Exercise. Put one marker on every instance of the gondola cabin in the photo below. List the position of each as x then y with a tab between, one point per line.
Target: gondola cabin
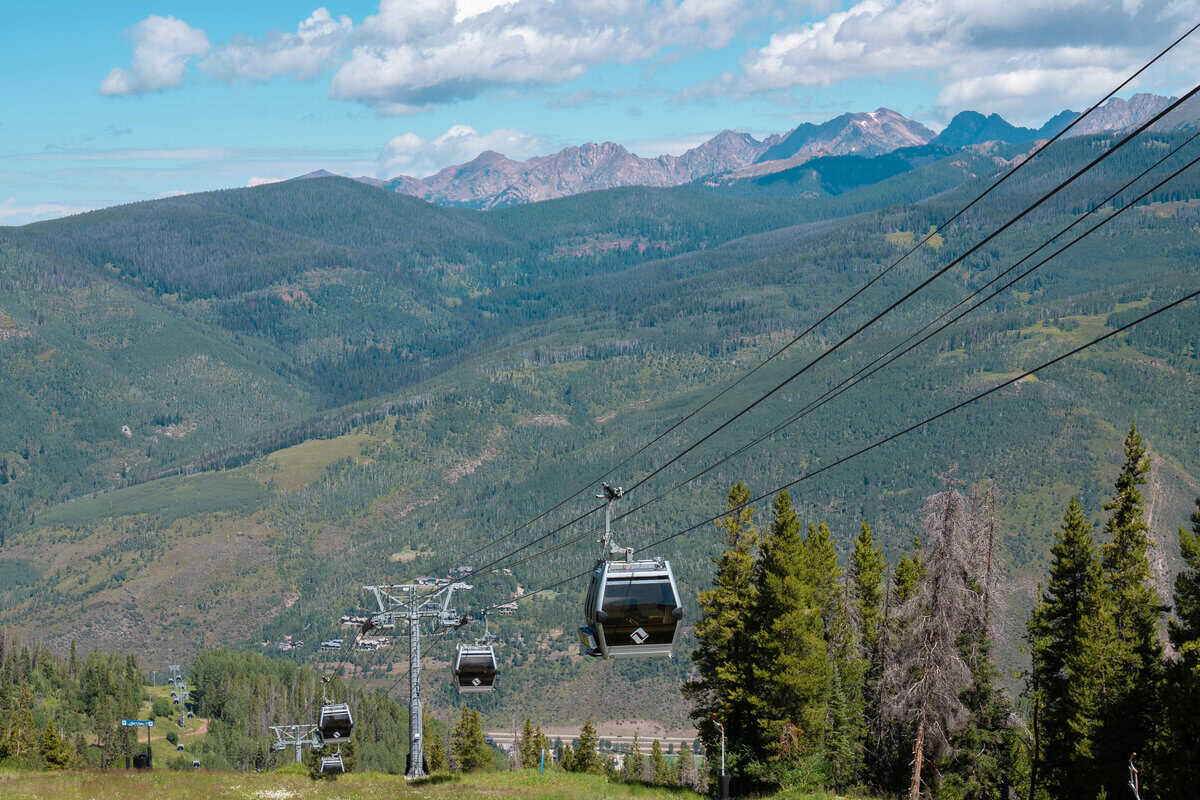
475	669
632	609
332	765
335	722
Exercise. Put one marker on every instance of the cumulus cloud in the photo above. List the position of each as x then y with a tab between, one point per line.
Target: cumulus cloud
301	54
416	53
998	56
257	181
410	154
162	47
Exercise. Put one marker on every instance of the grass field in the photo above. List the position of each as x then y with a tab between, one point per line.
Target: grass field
288	785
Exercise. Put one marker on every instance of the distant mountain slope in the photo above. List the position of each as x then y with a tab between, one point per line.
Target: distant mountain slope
868	134
491	179
971	127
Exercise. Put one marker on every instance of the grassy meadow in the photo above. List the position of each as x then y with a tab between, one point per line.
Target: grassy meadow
289	784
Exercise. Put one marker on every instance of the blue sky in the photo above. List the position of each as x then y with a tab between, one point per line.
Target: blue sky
125	101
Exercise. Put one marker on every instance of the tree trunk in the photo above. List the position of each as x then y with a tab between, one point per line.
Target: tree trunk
914	789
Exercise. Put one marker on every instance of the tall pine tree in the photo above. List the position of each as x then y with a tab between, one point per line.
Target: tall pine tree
1131	717
724	655
792	670
867	567
1066	622
1178	753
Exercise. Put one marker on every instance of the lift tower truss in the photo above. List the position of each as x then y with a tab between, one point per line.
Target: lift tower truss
180	692
414	602
297	736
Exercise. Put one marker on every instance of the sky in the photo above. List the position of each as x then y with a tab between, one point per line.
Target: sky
122	101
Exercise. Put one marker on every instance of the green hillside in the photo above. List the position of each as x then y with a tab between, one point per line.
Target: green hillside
392	385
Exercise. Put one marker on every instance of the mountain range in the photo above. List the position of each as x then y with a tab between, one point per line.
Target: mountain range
493	180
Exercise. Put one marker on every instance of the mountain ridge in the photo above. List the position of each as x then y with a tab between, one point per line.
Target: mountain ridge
493	180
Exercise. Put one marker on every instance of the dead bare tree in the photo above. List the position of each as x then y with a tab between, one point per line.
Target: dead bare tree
929	672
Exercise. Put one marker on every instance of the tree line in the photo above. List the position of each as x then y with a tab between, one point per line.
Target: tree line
879	678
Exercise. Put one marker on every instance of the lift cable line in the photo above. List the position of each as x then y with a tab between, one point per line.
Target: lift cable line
830	350
871	368
923	284
933	418
933	232
880	442
892	355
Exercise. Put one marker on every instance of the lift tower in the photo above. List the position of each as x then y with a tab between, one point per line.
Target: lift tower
298	736
180	692
414	602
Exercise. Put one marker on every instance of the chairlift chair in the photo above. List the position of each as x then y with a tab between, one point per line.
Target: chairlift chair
632	606
475	668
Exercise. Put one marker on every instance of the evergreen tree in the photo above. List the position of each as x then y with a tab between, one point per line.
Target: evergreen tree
22	731
791	671
631	770
687	769
1131	720
471	751
566	757
867	566
866	582
434	749
55	752
527	744
1177	756
1184	628
1068	621
659	762
725	655
585	757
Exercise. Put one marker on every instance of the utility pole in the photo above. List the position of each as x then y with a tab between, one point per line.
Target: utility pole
181	692
414	602
298	736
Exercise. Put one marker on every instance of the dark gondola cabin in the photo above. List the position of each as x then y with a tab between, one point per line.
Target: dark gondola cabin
332	765
475	669
632	609
335	722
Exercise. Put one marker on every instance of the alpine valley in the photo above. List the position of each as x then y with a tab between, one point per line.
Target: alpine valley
224	413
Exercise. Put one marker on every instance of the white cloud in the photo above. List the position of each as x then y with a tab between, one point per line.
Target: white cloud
257	181
1023	56
161	49
410	154
417	53
13	214
302	53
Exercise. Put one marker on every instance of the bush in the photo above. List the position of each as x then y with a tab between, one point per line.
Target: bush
161	707
172	737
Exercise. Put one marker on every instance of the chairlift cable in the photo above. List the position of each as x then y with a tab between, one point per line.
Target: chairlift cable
928	420
934	231
892	355
925	283
880	442
922	285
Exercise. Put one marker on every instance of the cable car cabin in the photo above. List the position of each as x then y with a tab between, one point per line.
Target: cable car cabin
332	765
632	609
335	722
475	669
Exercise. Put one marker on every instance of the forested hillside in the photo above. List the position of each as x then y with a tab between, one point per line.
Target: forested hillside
345	386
